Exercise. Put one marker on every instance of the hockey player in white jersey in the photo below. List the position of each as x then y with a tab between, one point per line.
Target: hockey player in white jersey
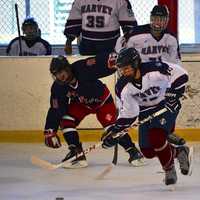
98	23
154	43
31	42
142	92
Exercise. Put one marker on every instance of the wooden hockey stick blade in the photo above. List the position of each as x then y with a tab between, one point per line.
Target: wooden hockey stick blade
42	163
49	166
110	166
105	172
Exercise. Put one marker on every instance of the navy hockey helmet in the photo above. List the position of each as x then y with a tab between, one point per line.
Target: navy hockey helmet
159	17
30	28
128	56
58	64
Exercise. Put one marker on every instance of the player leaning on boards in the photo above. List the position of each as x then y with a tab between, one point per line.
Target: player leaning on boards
142	92
154	43
97	23
76	93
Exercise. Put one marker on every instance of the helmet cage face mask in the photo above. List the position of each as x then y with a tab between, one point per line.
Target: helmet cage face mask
159	18
159	23
30	28
128	59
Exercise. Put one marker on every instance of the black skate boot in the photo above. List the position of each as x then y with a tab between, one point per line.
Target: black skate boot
136	158
185	156
170	176
78	162
175	139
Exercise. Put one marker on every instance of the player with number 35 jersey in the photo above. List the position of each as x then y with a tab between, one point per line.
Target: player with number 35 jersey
98	22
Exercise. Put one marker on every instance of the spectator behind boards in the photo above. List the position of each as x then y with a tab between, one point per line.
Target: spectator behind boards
97	24
31	42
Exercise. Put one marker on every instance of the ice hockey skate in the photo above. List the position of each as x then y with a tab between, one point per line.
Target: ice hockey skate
136	158
79	161
185	159
175	139
170	176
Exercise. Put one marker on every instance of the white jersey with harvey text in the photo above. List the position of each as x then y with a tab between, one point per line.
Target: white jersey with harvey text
133	99
151	49
36	48
99	20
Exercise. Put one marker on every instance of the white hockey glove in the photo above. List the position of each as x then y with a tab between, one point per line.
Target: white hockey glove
112	60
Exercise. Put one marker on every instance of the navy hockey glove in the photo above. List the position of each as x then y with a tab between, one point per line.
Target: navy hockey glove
108	140
173	105
51	139
111	137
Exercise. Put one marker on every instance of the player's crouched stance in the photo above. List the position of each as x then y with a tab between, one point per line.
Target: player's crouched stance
142	92
75	93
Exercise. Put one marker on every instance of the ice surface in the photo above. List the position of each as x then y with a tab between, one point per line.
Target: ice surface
20	180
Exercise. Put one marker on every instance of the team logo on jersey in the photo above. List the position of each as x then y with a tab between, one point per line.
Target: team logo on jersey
163	121
108	117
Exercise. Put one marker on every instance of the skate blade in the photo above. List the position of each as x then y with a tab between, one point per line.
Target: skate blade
76	165
139	162
171	187
191	155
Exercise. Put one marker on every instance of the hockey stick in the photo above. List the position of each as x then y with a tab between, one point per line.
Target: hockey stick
114	162
47	165
110	166
18	29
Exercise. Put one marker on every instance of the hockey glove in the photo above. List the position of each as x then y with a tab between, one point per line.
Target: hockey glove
112	59
173	104
51	139
108	140
111	137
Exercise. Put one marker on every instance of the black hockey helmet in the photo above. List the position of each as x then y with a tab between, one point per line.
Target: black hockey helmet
58	64
159	17
128	56
34	31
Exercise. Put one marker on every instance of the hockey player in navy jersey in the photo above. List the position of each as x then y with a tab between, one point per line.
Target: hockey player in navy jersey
31	42
154	43
76	93
142	92
97	24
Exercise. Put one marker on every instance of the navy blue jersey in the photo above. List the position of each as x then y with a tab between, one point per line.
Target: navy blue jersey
88	89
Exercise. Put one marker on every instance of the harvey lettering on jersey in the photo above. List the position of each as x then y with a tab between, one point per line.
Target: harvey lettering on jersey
96	8
164	48
159	49
91	18
150	94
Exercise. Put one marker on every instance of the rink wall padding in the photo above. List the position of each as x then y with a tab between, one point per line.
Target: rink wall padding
92	135
25	88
